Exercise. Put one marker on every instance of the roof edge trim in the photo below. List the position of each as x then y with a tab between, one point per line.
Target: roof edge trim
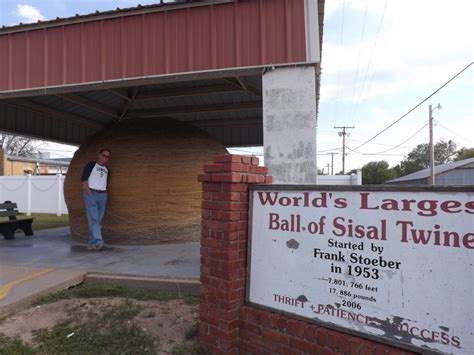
146	80
125	12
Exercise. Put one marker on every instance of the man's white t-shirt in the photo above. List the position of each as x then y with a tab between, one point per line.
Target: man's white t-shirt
98	178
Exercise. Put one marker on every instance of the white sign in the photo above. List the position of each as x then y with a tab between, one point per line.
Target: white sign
394	264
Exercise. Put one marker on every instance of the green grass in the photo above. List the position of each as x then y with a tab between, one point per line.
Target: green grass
91	291
105	336
108	330
47	220
9	346
190	344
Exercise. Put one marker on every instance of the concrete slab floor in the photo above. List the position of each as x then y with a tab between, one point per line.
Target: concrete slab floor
19	285
55	249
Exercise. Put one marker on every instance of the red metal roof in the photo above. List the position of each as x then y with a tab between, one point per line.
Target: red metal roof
152	41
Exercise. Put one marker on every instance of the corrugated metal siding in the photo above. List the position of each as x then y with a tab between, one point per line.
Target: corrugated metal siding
463	176
240	34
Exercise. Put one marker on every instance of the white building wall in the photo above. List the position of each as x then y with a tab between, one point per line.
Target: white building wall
289	124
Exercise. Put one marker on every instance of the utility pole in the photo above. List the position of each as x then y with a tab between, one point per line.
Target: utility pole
432	161
343	134
332	162
328	168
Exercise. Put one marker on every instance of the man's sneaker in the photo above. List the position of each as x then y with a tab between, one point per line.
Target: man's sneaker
98	246
90	247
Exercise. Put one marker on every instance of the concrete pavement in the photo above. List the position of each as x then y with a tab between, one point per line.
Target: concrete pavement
49	260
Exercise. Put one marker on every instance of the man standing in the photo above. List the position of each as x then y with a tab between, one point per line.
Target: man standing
94	185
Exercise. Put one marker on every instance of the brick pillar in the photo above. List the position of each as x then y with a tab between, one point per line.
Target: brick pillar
225	207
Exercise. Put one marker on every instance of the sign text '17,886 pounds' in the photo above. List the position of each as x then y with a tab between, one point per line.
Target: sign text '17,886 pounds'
394	264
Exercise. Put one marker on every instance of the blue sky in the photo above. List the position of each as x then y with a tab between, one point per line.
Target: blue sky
380	58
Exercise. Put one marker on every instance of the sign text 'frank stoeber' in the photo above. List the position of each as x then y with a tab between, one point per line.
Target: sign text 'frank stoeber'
368	261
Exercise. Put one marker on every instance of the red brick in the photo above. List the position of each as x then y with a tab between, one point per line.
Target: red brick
344	343
210	243
282	325
229	315
286	350
209	281
230	325
367	347
250	347
258	170
268	180
251	337
211	186
234	206
204	178
229	347
205	233
254	161
226	177
213	225
225	255
291	326
227	158
355	346
303	345
210	205
235	187
310	334
253	328
251	179
321	336
234	226
225	196
301	329
209	320
380	350
246	160
332	340
226	167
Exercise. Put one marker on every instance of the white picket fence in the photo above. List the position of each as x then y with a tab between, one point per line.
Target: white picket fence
354	179
44	194
34	194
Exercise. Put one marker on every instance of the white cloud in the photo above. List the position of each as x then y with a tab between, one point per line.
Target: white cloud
420	43
29	13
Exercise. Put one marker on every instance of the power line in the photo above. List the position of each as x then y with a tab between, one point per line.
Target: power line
419	104
383	144
397	146
339	64
456	134
370	60
360	50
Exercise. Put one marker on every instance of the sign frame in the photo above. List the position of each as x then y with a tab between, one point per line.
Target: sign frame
338	188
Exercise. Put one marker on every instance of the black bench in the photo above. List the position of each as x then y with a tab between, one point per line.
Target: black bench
8	228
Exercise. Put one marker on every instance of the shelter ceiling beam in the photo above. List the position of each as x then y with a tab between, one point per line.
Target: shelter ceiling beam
90	104
240	83
242	122
175	111
33	106
132	94
191	91
123	94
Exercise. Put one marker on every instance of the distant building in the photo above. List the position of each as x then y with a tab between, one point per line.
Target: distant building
455	173
18	166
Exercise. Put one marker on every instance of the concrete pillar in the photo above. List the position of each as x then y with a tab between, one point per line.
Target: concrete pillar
289	124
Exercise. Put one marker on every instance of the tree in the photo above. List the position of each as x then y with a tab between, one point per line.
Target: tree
376	172
17	145
419	158
464	153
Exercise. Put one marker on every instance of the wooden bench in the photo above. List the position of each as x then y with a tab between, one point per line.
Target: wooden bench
8	228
